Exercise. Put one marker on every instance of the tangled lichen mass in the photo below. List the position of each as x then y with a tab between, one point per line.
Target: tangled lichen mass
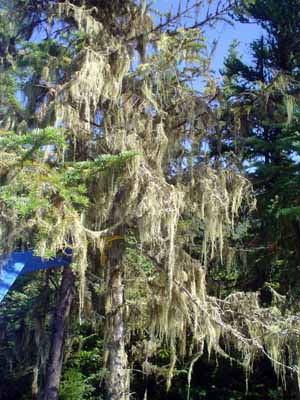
115	155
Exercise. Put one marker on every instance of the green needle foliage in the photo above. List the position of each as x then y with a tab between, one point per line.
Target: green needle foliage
112	152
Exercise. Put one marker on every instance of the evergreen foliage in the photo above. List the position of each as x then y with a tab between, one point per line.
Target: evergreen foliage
107	148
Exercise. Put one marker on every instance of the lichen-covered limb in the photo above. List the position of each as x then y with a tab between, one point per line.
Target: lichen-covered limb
94	235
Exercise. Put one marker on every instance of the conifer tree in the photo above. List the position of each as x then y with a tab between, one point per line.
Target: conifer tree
262	100
111	164
261	105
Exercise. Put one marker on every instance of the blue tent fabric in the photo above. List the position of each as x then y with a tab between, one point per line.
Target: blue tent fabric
22	262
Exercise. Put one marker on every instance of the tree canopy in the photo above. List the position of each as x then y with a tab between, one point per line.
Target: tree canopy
177	195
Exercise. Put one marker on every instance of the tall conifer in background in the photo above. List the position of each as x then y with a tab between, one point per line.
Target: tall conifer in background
263	104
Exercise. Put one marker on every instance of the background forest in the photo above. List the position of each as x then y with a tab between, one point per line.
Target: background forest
176	187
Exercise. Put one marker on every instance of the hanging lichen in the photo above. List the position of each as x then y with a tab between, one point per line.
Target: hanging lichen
133	135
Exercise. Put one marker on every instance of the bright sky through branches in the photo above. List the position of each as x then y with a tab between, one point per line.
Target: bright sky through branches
224	33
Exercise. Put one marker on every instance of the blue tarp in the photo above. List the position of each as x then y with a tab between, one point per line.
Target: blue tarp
22	262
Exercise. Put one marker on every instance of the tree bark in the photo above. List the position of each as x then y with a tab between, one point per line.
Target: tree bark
54	368
292	390
117	378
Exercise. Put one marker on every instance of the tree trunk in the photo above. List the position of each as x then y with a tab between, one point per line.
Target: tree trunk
54	367
117	379
292	390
